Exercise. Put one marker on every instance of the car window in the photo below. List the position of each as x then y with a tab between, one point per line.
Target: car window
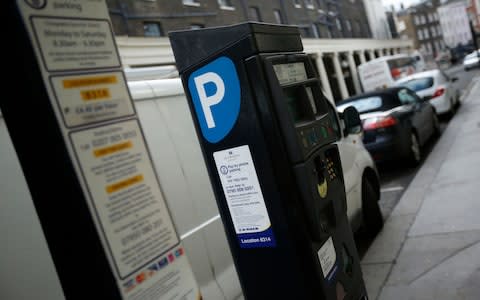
334	119
406	97
419	84
364	104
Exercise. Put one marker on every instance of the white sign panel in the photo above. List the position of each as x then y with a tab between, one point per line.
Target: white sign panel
244	197
86	99
125	194
82	73
70	44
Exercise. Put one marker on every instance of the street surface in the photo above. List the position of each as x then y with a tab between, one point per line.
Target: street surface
395	177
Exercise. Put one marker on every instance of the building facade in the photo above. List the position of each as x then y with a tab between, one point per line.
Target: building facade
421	23
315	18
455	24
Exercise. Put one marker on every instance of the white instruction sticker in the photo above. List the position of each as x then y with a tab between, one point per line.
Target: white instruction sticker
69	44
125	194
244	197
327	257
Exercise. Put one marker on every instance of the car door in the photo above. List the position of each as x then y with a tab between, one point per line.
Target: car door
421	117
349	152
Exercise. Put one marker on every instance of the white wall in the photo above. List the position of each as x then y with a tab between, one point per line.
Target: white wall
377	19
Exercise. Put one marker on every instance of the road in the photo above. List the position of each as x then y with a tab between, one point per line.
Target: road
395	177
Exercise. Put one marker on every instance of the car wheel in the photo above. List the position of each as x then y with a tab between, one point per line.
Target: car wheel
372	215
415	149
436	125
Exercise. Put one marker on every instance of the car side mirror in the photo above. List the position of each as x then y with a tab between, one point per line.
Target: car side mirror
351	118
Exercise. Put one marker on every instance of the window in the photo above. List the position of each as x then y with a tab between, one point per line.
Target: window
278	16
419	84
254	14
406	97
334	120
316	34
197	26
297	3
309	4
226	4
416	20
420	34
152	29
191	2
339	24
425	33
362	105
422	18
349	25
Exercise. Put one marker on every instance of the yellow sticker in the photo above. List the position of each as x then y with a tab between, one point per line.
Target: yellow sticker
89	81
322	188
112	149
95	94
124	184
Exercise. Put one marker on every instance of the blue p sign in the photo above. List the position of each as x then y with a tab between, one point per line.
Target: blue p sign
215	91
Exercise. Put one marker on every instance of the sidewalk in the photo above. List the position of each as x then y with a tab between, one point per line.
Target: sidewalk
430	245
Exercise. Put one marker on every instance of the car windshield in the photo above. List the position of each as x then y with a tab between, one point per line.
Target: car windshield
418	84
363	104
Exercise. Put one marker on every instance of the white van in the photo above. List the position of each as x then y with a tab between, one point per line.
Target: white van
167	124
382	72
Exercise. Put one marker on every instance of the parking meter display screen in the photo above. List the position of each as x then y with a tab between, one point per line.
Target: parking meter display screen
290	73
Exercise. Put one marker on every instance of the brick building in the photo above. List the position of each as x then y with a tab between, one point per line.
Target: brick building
315	18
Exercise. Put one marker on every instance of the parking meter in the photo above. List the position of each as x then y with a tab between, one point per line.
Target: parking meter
268	142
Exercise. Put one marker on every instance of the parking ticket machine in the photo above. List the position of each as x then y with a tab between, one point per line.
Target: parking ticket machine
268	142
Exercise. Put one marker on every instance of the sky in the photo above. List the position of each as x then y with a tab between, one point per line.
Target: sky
396	3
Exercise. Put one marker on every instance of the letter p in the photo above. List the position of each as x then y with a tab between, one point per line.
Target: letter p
208	101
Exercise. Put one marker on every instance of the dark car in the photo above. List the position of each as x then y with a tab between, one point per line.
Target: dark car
396	123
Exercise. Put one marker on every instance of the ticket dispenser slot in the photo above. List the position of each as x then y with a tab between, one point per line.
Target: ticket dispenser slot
266	127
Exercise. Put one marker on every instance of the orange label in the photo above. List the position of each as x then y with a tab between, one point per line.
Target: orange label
124	183
88	81
95	94
112	149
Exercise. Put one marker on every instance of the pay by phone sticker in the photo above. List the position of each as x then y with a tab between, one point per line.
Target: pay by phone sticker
215	92
328	257
244	197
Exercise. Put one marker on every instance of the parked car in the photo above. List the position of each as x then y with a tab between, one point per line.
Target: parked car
471	60
435	86
362	185
396	123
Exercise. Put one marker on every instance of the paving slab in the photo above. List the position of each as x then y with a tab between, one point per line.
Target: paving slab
456	278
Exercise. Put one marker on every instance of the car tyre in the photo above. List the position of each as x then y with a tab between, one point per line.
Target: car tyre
372	215
415	153
436	125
